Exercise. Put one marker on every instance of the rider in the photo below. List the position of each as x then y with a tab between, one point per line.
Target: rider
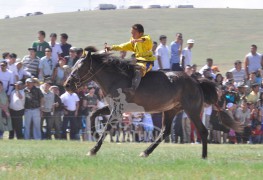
141	45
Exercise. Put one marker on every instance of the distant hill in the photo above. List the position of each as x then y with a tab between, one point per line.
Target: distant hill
222	34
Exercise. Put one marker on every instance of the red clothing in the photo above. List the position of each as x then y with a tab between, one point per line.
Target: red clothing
257	132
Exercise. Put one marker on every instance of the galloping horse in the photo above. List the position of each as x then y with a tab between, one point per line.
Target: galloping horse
157	92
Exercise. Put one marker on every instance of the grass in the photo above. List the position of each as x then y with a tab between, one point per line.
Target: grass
67	160
223	34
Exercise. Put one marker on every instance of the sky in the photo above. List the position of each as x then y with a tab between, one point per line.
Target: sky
15	8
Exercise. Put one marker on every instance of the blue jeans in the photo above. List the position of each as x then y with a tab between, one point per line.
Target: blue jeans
32	115
74	130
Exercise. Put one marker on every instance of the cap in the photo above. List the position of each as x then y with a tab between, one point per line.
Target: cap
215	68
32	48
19	83
30	80
238	62
190	41
73	49
51	87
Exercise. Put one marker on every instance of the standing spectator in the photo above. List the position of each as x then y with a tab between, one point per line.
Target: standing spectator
5	56
148	127
5	120
56	48
209	64
17	110
65	46
186	127
33	102
31	62
176	130
47	110
239	73
72	58
162	53
11	65
46	65
137	126
41	44
243	116
155	63
6	77
188	70
57	110
252	61
176	50
22	73
70	101
59	75
187	53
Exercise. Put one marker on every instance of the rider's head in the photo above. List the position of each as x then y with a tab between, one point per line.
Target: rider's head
137	31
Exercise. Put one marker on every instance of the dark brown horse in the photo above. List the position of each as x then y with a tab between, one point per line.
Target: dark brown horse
157	93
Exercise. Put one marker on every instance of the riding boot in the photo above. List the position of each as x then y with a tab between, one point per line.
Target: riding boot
135	83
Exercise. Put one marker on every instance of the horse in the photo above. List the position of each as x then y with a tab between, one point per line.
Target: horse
157	92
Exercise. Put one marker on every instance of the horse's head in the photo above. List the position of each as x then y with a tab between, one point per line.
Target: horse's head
82	71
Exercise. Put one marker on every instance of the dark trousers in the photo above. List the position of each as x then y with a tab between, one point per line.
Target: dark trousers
176	67
74	130
17	122
177	130
48	117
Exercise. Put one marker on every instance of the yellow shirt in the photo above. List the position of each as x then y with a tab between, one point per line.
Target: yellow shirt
253	97
142	50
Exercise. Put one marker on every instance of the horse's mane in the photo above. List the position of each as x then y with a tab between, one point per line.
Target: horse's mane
110	62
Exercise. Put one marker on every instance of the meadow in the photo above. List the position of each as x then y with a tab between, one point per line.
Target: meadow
66	160
222	34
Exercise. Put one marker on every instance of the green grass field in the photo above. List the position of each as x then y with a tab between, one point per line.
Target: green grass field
67	160
223	34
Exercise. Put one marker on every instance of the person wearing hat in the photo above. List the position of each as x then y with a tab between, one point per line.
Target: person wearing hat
162	53
17	110
187	53
56	48
31	62
34	102
41	44
7	77
239	73
254	94
72	58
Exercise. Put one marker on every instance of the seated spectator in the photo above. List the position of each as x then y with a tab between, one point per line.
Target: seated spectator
219	79
252	79
209	64
254	95
257	135
239	73
214	70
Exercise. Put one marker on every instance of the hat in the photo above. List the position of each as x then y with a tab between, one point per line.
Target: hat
30	80
73	49
238	62
254	84
32	48
190	41
229	105
51	87
242	85
19	83
215	68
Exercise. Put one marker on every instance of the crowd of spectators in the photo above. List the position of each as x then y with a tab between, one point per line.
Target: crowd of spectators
35	105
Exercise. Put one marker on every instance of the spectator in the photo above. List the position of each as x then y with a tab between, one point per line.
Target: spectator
6	56
162	53
59	75
187	53
6	77
22	73
46	65
186	126
65	46
214	70
209	64
5	119
188	70
48	109
11	65
137	126
56	48
252	61
31	62
57	112
257	134
176	51
33	102
127	122
155	63
72	58
251	80
243	116
17	110
219	79
194	67
239	73
70	101
255	94
148	127
41	44
80	52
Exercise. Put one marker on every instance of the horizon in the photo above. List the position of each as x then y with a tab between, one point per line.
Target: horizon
15	8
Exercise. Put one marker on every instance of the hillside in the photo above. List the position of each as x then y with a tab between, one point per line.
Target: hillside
223	34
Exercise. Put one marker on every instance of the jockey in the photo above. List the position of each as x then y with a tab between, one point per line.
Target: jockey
141	45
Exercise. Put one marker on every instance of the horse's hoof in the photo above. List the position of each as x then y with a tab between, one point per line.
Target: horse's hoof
90	153
143	154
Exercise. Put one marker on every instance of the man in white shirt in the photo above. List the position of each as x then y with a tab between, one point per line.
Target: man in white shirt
162	53
17	109
239	73
7	77
56	48
187	53
11	65
252	61
71	106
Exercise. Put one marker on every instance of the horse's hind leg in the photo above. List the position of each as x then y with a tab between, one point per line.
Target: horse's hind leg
165	132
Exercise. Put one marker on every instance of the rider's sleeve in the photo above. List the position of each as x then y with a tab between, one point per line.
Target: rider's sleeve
123	47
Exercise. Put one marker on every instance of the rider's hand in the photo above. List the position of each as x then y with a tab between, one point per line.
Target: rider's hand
107	48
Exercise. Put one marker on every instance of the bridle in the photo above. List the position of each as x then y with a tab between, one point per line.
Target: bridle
90	74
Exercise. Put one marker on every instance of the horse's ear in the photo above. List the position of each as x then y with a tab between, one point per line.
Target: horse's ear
90	49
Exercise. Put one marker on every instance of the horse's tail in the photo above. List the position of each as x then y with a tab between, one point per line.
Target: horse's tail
229	122
209	91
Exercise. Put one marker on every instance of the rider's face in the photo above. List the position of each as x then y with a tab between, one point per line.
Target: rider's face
136	34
